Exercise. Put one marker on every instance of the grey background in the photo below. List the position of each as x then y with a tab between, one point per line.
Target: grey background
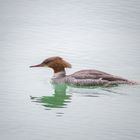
99	34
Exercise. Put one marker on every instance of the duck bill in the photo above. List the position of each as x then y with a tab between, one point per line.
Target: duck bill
39	65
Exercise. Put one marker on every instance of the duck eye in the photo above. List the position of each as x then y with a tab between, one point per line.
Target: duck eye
46	62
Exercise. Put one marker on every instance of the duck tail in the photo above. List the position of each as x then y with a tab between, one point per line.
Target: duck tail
134	82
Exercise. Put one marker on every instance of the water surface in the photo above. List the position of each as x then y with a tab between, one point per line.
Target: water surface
99	34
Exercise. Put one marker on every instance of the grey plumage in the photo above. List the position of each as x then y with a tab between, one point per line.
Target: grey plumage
92	78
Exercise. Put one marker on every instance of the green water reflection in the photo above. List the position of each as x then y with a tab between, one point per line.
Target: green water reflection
59	99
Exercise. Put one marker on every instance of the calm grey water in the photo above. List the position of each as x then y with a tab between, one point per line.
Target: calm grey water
99	34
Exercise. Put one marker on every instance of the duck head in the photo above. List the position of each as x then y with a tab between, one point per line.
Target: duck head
56	63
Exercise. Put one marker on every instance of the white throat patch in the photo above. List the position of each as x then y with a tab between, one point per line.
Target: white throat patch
59	74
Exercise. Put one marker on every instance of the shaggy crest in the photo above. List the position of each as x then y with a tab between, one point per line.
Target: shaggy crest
56	63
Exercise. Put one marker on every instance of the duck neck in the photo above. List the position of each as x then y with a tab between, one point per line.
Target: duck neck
59	74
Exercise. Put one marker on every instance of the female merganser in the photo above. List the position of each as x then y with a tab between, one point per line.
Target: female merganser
83	77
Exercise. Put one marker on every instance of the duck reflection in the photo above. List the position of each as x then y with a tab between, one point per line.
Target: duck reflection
58	100
61	97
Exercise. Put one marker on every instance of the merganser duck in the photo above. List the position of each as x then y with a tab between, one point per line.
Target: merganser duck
81	78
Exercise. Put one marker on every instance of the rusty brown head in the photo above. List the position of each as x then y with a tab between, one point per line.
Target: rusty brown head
56	63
